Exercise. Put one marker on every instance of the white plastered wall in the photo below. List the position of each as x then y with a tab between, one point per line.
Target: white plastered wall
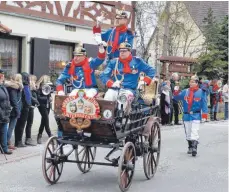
29	28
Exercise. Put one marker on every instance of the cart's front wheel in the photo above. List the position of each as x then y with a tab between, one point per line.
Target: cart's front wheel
86	155
52	166
151	158
126	166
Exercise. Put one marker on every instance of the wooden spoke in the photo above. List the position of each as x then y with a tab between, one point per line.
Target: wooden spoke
150	161
51	172
87	156
51	165
126	166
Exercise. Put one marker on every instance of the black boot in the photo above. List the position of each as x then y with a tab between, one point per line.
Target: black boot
39	139
215	119
20	144
29	141
194	148
189	147
212	117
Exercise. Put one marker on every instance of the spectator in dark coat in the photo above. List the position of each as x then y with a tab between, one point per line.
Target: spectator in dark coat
5	110
166	102
14	87
35	103
44	107
26	103
175	109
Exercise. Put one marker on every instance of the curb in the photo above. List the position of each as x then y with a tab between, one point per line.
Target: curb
17	159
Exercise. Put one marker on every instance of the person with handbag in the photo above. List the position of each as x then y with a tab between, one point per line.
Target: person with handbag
34	104
44	106
14	86
5	109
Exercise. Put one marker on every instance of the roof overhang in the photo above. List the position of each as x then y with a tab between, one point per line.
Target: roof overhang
175	59
4	29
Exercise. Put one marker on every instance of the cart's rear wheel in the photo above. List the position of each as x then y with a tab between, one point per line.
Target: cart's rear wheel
86	154
151	158
52	167
126	166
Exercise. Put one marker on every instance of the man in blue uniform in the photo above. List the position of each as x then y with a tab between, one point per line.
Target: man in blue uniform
194	103
124	73
81	72
114	36
205	86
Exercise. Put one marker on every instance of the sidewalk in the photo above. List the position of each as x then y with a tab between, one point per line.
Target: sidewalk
25	152
30	151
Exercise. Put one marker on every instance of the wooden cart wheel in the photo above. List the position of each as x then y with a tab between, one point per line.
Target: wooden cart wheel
151	158
126	166
52	167
86	154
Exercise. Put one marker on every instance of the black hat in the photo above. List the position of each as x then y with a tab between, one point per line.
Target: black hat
2	72
121	14
125	45
79	51
195	78
25	78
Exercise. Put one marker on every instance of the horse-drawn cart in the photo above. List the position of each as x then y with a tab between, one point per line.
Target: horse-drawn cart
89	123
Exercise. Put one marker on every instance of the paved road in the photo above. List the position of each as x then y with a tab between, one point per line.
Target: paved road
178	172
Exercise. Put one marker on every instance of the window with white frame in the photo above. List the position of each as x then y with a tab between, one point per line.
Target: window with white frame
59	56
9	55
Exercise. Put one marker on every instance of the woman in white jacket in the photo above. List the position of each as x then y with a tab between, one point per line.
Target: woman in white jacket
225	99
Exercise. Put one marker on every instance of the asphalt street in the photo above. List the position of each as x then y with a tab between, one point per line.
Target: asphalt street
177	172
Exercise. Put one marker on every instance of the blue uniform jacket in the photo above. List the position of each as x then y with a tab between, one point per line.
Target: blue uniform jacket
130	80
106	36
199	104
79	74
205	88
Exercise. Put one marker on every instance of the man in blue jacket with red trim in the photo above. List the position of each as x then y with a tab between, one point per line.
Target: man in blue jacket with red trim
195	108
81	72
114	36
124	73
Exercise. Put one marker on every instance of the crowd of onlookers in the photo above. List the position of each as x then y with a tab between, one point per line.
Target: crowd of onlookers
20	94
171	108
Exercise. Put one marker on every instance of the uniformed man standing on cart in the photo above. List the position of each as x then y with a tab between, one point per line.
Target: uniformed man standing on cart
113	37
195	108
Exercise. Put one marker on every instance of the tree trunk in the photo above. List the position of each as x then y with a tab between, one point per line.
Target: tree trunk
166	34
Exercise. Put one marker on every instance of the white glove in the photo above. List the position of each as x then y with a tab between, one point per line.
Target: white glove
103	44
141	84
97	38
60	93
155	79
100	19
117	84
204	120
74	92
176	88
101	48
